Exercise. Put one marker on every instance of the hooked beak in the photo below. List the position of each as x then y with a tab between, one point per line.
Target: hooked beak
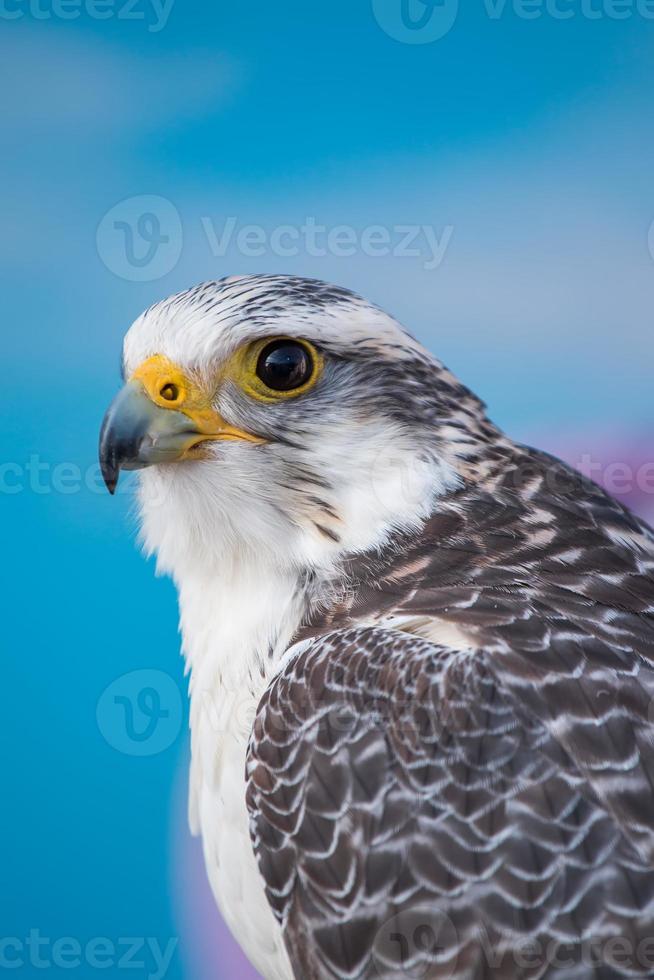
139	429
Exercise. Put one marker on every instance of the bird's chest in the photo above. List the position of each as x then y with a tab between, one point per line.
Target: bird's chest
232	645
231	866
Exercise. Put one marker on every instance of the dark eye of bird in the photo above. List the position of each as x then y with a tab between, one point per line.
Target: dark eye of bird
284	365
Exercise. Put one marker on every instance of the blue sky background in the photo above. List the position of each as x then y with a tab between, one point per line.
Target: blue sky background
531	139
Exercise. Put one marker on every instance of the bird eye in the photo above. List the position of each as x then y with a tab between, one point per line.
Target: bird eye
285	365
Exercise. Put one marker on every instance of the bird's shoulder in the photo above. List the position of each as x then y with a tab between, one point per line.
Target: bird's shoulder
509	560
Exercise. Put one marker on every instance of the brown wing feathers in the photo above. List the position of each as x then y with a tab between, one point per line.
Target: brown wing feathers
483	797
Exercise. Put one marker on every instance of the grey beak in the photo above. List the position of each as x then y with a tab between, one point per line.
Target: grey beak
136	433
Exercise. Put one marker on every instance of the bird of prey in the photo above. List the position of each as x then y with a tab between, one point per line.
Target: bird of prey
421	655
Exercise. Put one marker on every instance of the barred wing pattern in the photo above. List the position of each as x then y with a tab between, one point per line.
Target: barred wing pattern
419	811
410	821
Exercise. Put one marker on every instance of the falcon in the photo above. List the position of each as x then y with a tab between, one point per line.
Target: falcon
420	654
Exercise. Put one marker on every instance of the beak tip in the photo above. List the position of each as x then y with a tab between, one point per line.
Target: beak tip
109	465
110	474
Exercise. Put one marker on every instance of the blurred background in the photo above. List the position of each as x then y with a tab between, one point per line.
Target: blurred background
484	173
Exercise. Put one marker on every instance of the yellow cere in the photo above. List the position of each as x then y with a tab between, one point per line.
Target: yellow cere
171	388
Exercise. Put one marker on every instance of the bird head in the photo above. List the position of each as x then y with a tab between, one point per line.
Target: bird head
282	417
